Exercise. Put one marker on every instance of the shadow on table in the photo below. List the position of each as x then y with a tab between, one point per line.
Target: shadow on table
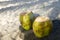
54	35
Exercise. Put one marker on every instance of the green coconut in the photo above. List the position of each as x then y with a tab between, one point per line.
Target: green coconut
26	20
42	26
21	17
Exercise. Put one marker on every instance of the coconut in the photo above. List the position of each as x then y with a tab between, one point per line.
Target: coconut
26	20
42	26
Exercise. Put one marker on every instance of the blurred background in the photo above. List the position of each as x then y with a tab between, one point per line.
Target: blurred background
10	10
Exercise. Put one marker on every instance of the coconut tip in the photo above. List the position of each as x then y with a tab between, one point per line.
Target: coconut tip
42	19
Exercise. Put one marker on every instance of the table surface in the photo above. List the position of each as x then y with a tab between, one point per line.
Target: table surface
10	10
